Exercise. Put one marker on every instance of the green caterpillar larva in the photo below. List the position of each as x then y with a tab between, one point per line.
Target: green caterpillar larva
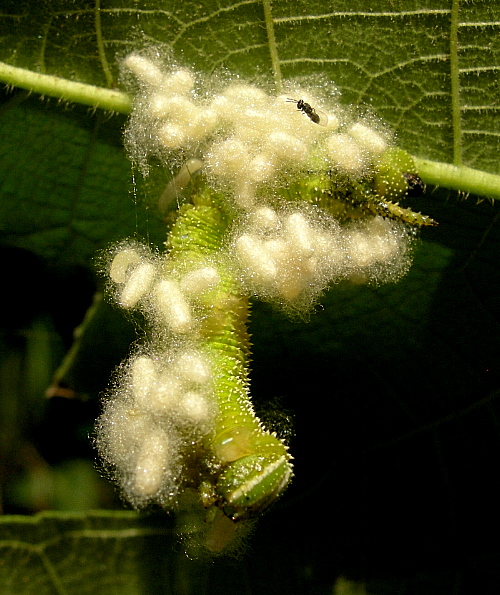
282	206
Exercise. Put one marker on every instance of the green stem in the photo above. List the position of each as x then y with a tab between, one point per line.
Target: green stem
463	179
66	90
63	372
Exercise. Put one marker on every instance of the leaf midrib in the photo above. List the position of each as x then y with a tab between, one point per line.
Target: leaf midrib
455	85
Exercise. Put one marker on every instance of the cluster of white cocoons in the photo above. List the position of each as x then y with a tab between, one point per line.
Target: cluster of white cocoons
169	300
161	405
248	143
248	139
162	402
290	255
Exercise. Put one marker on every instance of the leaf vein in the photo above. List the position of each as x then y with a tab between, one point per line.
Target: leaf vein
480	108
480	24
404	13
100	44
481	132
392	68
210	16
480	69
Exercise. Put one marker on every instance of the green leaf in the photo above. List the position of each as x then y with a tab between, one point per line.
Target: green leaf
95	552
66	183
415	64
394	391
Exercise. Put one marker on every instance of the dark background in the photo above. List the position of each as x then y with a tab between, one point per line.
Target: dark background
388	396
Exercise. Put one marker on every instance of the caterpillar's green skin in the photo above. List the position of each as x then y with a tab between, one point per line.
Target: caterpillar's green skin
239	468
249	466
348	199
252	483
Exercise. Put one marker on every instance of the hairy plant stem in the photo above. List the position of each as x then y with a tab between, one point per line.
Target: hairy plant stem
461	178
66	90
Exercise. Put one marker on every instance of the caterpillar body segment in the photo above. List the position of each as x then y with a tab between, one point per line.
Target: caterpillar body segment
348	199
249	485
254	466
394	211
186	393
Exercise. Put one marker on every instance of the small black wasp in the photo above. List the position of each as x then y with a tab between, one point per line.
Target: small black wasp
310	112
